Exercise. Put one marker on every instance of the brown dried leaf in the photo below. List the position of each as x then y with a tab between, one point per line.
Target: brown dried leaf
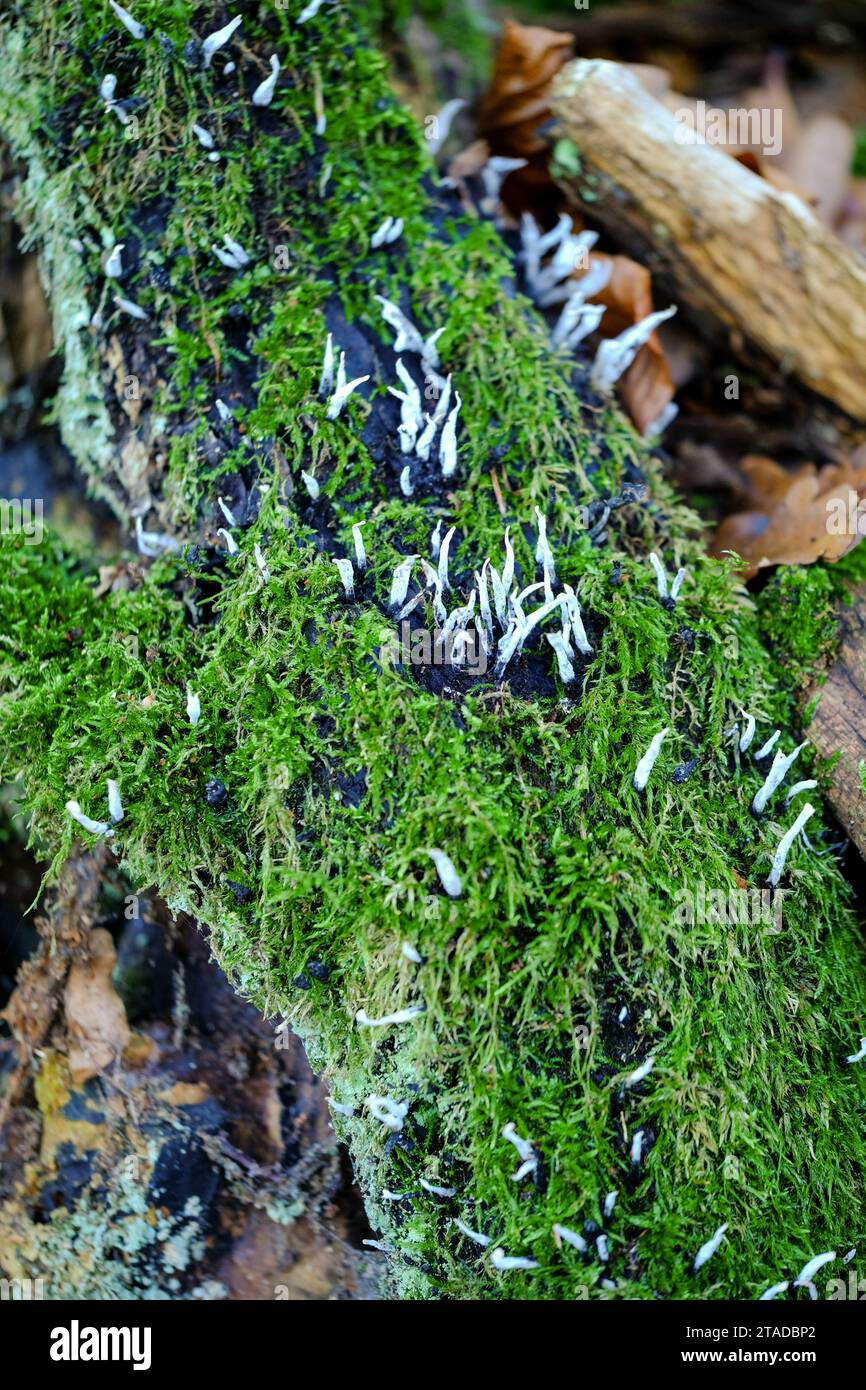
794	518
516	103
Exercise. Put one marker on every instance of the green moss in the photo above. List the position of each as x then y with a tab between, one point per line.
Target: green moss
342	769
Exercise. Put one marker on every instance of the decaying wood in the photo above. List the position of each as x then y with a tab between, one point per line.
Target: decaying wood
839	724
730	246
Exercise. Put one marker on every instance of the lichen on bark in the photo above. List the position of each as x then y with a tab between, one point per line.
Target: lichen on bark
563	966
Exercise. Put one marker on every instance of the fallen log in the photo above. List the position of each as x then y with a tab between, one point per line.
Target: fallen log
732	248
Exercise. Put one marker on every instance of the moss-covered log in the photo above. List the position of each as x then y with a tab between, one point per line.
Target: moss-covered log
692	1063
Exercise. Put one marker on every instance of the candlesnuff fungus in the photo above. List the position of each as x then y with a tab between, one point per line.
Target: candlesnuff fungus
648	761
401	1016
467	1231
785	844
858	1056
501	1261
709	1249
777	774
345	766
137	30
96	827
448	876
264	93
563	1233
218	39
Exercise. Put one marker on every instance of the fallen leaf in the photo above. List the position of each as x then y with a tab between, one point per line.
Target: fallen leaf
516	102
515	107
794	518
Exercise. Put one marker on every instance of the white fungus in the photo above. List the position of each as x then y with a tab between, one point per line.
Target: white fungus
500	1260
263	95
96	827
766	750
390	1113
640	1072
610	1203
786	842
807	785
773	1291
443	557
137	30
222	410
310	11
563	1233
311	485
360	552
448	442
411	414
107	87
193	707
709	1248
846	1259
203	136
437	1191
347	576
615	355
576	322
400	1016
493	175
326	380
115	805
441	124
778	772
406	486
341	1109
448	876
637	1147
566	671
343	390
260	561
128	307
218	39
234	257
647	762
410	952
151	543
114	264
386	232
231	544
227	512
858	1056
665	417
748	733
400	581
601	1248
408	338
470	1234
806	1276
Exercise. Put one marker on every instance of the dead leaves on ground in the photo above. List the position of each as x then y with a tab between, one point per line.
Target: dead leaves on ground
510	117
794	518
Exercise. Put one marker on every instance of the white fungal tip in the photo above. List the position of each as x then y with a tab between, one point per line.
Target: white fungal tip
477	1236
647	762
400	1016
774	1291
810	1269
218	39
193	706
448	875
410	952
226	511
137	30
640	1072
96	827
610	1203
114	264
858	1056
347	576
263	94
709	1248
501	1261
128	307
311	485
786	842
115	805
564	1233
231	543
